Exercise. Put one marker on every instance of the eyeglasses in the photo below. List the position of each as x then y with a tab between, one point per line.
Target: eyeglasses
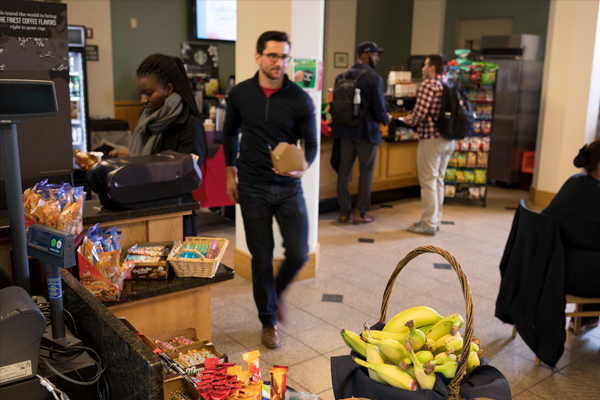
273	57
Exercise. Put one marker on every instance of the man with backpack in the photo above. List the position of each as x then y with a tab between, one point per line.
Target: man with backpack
357	109
434	150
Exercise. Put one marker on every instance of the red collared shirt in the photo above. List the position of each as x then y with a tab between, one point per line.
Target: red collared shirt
429	101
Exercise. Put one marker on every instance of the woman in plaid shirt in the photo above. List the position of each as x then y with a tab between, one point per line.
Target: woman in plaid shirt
433	151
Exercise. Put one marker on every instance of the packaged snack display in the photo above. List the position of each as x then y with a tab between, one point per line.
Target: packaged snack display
453	161
486	143
480	176
197	256
99	258
486	127
462	160
450	175
460	176
55	205
449	190
471	159
469	175
482	159
477	127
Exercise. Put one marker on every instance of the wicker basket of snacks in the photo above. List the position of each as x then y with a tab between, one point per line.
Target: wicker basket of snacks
197	257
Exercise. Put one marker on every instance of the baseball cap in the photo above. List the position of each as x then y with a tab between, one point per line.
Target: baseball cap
367	47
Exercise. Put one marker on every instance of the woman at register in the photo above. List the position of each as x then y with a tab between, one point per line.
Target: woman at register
577	208
170	119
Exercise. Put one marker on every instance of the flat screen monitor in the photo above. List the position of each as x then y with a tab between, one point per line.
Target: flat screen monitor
415	63
216	19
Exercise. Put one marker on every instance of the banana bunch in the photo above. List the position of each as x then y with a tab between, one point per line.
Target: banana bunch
413	346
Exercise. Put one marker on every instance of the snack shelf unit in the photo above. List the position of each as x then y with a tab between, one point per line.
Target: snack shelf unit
473	189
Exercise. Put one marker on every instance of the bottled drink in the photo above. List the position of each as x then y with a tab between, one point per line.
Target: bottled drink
356	103
330	96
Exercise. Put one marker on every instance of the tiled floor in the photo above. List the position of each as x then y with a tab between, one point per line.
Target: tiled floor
360	272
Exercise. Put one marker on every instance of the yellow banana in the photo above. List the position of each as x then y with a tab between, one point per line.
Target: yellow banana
392	374
450	341
393	350
408	368
416	337
420	315
473	361
425	328
424	356
399	337
444	357
374	357
354	342
430	345
448	369
426	381
443	327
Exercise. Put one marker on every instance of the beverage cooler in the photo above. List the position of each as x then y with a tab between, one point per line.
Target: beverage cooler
78	89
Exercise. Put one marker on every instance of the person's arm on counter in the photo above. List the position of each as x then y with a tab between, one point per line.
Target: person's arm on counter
230	144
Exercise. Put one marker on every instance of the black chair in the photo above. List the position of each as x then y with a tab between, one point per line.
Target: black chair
532	289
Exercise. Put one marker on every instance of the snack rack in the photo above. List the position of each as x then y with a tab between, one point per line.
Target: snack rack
470	160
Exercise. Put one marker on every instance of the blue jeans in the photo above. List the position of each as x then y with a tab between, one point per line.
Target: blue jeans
259	203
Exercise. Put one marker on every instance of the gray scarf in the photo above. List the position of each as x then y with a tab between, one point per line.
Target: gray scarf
151	126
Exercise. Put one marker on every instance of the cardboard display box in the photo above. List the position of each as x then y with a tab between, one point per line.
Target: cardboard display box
158	270
178	384
93	280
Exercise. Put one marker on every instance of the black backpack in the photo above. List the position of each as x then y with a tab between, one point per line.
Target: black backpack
343	96
456	119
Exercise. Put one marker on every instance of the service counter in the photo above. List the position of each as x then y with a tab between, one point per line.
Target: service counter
395	167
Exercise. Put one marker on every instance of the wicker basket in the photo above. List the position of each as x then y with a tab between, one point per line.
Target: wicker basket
195	267
454	386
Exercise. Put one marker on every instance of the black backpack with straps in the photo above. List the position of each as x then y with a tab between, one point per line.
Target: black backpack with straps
343	96
456	118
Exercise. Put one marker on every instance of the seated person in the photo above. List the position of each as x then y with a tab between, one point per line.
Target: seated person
577	208
170	119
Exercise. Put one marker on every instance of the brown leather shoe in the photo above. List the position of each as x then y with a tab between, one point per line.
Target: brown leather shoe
281	310
345	220
364	219
270	338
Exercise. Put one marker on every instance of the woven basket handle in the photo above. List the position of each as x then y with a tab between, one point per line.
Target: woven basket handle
454	386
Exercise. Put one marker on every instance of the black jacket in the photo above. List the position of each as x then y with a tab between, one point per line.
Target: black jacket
286	116
372	100
577	208
532	289
185	136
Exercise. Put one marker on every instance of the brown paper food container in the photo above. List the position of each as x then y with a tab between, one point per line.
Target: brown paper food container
287	157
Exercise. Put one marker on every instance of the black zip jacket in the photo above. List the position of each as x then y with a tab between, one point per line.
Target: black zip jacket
286	116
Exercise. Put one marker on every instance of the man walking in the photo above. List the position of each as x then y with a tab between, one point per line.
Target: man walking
361	140
433	151
270	109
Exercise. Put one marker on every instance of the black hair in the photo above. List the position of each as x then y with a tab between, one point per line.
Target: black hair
439	61
588	157
167	69
276	36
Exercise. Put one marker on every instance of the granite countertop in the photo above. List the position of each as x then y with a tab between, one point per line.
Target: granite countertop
140	289
94	213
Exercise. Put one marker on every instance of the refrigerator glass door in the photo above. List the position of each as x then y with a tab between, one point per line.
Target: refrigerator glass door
78	111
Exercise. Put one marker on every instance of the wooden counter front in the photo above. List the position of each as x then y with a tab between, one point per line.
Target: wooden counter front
395	167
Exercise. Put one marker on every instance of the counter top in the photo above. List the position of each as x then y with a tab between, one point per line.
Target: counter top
140	289
94	213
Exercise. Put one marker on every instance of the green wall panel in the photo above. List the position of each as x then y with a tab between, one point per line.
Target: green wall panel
162	25
389	24
529	16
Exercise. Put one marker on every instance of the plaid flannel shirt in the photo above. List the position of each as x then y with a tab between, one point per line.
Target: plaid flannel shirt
429	100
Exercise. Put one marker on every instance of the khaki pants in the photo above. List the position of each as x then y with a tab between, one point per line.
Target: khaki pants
432	159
